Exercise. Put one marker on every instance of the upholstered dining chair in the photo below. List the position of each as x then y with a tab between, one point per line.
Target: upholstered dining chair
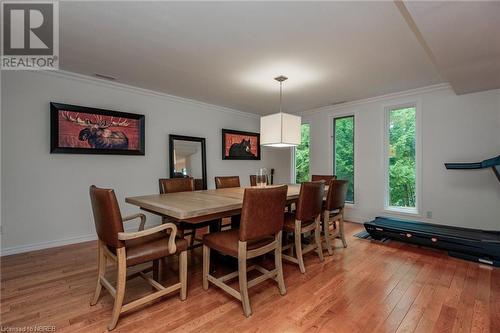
305	219
173	185
128	249
227	181
260	232
326	178
333	211
253	180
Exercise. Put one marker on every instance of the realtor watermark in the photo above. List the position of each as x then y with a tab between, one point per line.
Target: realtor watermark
33	328
30	35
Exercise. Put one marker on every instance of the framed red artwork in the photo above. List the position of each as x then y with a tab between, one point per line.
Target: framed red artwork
83	130
238	145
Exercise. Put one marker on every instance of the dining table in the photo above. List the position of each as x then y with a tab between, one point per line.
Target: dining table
195	207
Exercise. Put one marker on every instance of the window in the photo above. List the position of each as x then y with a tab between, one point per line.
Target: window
343	154
302	155
401	164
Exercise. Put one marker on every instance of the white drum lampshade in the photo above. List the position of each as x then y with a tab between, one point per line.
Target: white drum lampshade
280	130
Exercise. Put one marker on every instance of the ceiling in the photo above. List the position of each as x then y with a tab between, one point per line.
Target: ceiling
464	38
227	53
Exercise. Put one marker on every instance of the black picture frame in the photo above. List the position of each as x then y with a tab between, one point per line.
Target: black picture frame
225	132
172	138
55	108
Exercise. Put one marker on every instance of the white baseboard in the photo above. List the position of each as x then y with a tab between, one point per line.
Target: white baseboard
80	239
55	243
356	218
45	245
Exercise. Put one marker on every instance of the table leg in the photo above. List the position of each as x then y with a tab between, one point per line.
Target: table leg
235	221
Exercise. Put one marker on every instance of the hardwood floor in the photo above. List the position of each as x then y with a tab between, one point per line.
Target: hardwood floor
368	287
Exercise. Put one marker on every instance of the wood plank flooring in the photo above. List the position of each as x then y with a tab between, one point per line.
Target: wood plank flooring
368	287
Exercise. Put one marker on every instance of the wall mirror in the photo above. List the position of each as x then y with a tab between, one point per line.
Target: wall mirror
188	159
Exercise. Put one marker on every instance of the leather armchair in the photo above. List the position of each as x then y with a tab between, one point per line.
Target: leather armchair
127	249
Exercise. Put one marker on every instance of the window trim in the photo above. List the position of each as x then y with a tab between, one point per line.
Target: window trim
405	211
333	119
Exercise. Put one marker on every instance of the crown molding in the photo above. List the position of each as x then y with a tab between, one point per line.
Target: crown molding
145	92
381	98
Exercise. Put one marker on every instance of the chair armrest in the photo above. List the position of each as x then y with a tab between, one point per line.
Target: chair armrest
133	217
138	234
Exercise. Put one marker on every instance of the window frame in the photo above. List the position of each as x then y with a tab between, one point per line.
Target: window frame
333	120
409	211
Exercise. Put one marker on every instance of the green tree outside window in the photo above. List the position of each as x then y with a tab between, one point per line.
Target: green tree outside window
344	152
402	161
302	155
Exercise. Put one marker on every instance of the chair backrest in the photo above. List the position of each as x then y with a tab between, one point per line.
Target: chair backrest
228	181
172	185
107	216
326	178
253	180
263	212
337	192
310	202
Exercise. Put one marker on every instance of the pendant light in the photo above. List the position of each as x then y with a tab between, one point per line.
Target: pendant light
280	129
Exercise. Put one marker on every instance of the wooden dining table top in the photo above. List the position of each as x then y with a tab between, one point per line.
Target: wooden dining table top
200	206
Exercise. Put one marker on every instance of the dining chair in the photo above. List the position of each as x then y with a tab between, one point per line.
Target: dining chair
253	180
333	211
227	181
128	249
305	219
260	232
173	185
326	178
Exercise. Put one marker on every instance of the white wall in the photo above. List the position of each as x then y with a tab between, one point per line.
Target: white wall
453	129
45	196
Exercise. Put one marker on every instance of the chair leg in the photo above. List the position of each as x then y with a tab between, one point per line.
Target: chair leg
341	231
183	274
326	231
317	238
206	266
298	247
120	287
278	263
101	269
242	274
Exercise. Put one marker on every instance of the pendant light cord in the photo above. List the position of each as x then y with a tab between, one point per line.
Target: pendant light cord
281	95
281	113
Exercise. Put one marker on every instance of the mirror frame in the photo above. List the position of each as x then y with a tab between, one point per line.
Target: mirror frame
173	137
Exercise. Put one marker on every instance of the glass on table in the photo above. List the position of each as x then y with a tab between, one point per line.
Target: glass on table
261	177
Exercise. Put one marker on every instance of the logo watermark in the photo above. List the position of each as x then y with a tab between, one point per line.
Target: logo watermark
34	328
30	35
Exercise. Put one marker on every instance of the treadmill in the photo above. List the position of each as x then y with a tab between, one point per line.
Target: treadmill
471	244
493	163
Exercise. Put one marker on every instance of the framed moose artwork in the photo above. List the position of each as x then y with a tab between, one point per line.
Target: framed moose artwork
238	145
82	130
